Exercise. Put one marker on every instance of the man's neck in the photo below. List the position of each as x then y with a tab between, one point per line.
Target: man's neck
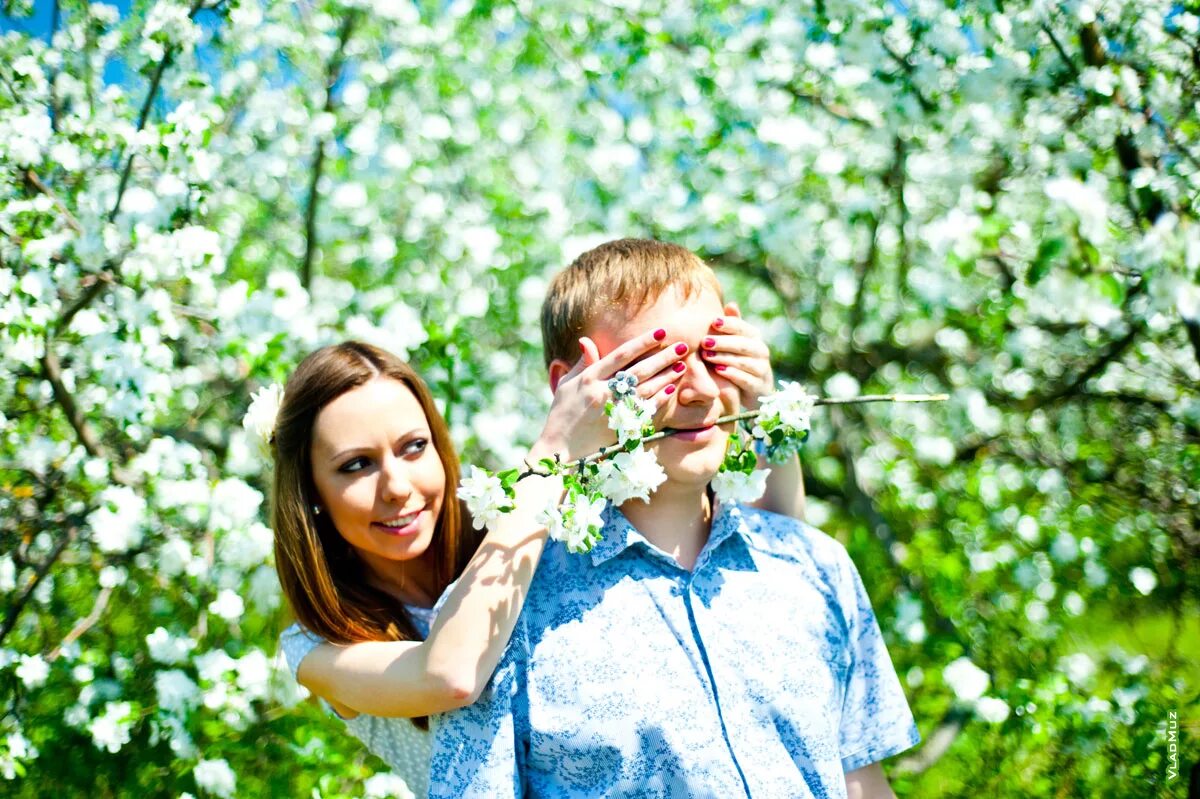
677	520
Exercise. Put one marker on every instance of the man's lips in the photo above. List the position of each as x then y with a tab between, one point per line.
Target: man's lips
696	433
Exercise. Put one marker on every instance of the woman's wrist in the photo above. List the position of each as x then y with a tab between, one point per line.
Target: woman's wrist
547	447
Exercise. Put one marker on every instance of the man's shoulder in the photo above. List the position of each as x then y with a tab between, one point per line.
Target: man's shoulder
563	579
789	538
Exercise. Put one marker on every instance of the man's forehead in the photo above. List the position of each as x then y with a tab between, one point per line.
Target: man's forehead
683	317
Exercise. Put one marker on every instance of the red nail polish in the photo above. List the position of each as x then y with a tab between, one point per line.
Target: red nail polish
710	353
660	334
679	367
720	367
709	342
680	349
669	390
719	322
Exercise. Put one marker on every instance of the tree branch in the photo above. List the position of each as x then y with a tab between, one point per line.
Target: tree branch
1071	387
332	74
1193	329
53	369
14	612
37	183
836	110
85	624
936	745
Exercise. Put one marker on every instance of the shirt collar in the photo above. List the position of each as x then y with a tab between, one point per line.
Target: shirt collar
619	534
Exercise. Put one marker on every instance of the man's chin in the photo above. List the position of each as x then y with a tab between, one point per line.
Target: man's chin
696	467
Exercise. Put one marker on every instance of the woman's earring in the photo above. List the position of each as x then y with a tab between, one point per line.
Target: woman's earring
316	509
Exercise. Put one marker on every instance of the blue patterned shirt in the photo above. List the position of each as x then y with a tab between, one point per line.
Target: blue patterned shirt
761	673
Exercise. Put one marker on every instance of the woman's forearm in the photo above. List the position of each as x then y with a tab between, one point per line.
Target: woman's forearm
478	617
450	668
785	489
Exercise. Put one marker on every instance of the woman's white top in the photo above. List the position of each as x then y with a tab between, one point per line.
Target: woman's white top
404	747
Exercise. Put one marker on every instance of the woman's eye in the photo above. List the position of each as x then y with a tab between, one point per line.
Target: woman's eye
416	445
355	465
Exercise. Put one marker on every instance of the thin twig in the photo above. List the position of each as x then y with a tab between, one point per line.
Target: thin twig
747	415
85	624
38	184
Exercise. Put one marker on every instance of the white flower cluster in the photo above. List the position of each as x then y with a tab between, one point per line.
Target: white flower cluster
969	683
630	418
630	475
263	411
168	25
784	419
737	486
577	522
486	497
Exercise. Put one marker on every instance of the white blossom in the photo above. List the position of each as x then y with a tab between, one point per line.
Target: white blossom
263	411
228	605
117	523
246	546
1079	668
991	709
215	777
630	475
111	729
1143	579
32	671
733	486
630	417
577	523
485	497
8	573
383	786
968	681
175	691
790	407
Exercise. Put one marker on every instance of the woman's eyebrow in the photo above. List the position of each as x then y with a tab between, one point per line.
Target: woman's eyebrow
423	431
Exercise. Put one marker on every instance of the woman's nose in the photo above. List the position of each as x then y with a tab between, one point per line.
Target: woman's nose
396	485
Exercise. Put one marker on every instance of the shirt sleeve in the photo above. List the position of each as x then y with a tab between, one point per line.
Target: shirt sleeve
876	720
296	643
479	750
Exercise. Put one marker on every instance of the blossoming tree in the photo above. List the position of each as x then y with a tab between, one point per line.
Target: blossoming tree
997	201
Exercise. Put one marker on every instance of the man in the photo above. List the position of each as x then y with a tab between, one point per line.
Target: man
701	649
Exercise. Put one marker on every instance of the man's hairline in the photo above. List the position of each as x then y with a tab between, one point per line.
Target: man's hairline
589	326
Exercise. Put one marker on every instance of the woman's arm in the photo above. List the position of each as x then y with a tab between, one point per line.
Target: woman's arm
736	351
451	667
785	488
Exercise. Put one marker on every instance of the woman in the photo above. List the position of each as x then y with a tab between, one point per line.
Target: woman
369	533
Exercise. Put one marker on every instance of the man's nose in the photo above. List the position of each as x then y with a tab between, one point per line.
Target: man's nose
698	383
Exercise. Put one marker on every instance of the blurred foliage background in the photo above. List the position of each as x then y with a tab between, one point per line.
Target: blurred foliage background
996	200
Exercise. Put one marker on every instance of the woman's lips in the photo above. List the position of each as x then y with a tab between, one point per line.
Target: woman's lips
408	529
697	434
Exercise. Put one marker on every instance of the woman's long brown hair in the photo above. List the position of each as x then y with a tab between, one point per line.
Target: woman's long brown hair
323	580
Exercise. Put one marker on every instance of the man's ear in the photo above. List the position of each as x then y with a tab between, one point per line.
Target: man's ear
558	368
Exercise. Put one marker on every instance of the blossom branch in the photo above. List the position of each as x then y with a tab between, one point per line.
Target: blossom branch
747	416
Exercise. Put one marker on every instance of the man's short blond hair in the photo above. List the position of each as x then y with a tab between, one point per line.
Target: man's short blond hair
622	276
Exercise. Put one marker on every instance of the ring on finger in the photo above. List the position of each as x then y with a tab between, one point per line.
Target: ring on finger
622	383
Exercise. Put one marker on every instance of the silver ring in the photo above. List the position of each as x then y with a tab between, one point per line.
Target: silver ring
622	383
